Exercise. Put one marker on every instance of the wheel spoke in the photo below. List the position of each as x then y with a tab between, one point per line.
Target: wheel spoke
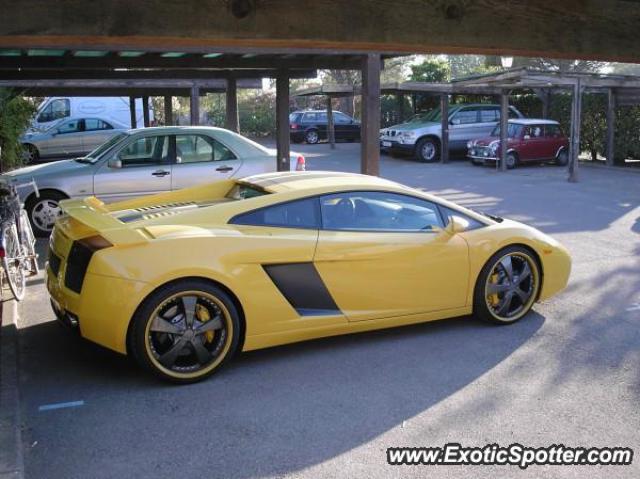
506	304
523	295
202	353
507	265
526	272
495	288
212	325
189	305
168	359
161	325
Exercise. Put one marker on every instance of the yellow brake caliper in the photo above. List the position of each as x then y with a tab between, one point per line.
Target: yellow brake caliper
203	316
493	298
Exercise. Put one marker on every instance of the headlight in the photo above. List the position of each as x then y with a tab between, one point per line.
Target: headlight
469	144
494	147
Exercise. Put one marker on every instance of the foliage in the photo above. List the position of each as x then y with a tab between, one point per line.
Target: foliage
15	115
431	70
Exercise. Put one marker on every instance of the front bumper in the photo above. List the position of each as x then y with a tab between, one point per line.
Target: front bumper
482	159
396	147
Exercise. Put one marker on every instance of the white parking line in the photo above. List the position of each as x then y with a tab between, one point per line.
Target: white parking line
634	307
60	405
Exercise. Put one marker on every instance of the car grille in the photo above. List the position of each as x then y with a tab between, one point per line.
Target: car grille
393	133
77	264
54	262
483	151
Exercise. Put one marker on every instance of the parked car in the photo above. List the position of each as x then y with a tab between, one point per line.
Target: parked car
114	109
69	137
141	162
528	140
311	126
183	280
422	135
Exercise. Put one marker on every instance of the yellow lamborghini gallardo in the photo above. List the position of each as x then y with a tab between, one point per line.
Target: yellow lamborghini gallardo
184	279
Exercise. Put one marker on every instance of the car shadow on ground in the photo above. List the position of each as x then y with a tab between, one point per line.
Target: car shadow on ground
302	404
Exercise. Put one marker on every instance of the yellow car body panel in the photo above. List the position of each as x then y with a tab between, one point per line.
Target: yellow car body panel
377	280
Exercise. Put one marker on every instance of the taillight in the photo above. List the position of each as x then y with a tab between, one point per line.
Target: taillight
2	252
95	243
293	126
300	163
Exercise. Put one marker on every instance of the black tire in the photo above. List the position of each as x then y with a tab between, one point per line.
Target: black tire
42	210
296	140
31	153
512	160
312	137
475	162
562	159
146	345
428	150
481	297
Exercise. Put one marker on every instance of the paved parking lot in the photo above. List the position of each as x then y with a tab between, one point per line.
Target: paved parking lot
569	373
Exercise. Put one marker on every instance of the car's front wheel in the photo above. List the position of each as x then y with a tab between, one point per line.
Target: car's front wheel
312	137
428	150
31	153
185	331
507	286
43	211
563	158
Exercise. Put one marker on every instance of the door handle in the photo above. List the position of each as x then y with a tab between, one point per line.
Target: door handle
160	173
224	168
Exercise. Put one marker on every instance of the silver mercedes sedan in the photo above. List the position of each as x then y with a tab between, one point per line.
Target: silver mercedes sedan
69	137
142	162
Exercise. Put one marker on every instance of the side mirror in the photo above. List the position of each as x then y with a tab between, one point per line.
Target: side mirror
114	163
455	121
178	159
456	225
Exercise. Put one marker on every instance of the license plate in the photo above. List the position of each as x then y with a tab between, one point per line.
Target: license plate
386	143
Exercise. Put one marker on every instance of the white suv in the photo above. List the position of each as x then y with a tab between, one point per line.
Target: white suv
421	135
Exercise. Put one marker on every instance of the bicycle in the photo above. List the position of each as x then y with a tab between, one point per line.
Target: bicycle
17	242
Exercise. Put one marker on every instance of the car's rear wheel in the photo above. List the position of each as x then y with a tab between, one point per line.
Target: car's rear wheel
185	331
44	211
507	286
563	158
312	137
428	150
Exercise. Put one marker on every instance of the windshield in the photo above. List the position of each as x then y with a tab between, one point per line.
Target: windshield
513	131
431	115
95	154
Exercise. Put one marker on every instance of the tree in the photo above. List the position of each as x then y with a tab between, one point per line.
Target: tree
431	70
15	116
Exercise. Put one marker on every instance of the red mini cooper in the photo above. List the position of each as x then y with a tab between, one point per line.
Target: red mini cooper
528	140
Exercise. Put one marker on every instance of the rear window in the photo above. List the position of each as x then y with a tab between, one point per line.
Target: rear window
293	117
242	191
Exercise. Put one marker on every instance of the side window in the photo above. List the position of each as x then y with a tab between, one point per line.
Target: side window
552	131
72	126
512	113
310	118
341	118
489	115
153	150
322	117
447	213
466	116
92	124
293	214
378	211
536	131
200	148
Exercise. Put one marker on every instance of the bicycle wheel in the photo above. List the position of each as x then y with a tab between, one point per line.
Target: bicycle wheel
13	262
28	244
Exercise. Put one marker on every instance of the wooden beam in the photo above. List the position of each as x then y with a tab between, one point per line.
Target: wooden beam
194	109
168	110
145	111
600	29
370	125
611	126
504	126
576	115
132	112
331	129
444	142
232	120
283	146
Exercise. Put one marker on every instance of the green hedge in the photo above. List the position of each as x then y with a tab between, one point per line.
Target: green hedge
15	116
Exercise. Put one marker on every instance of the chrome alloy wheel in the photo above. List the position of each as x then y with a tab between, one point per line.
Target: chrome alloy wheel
428	151
45	213
512	286
188	334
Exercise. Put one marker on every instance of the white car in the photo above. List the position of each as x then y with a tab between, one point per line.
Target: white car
142	162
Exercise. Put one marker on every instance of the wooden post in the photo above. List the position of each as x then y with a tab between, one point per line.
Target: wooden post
370	129
400	107
546	103
132	112
145	111
611	126
444	142
576	115
195	105
504	126
168	110
283	146
331	128
232	120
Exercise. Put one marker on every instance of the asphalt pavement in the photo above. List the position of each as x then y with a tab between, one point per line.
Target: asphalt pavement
568	374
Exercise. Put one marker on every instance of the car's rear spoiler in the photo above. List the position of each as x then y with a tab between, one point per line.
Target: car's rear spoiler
92	213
